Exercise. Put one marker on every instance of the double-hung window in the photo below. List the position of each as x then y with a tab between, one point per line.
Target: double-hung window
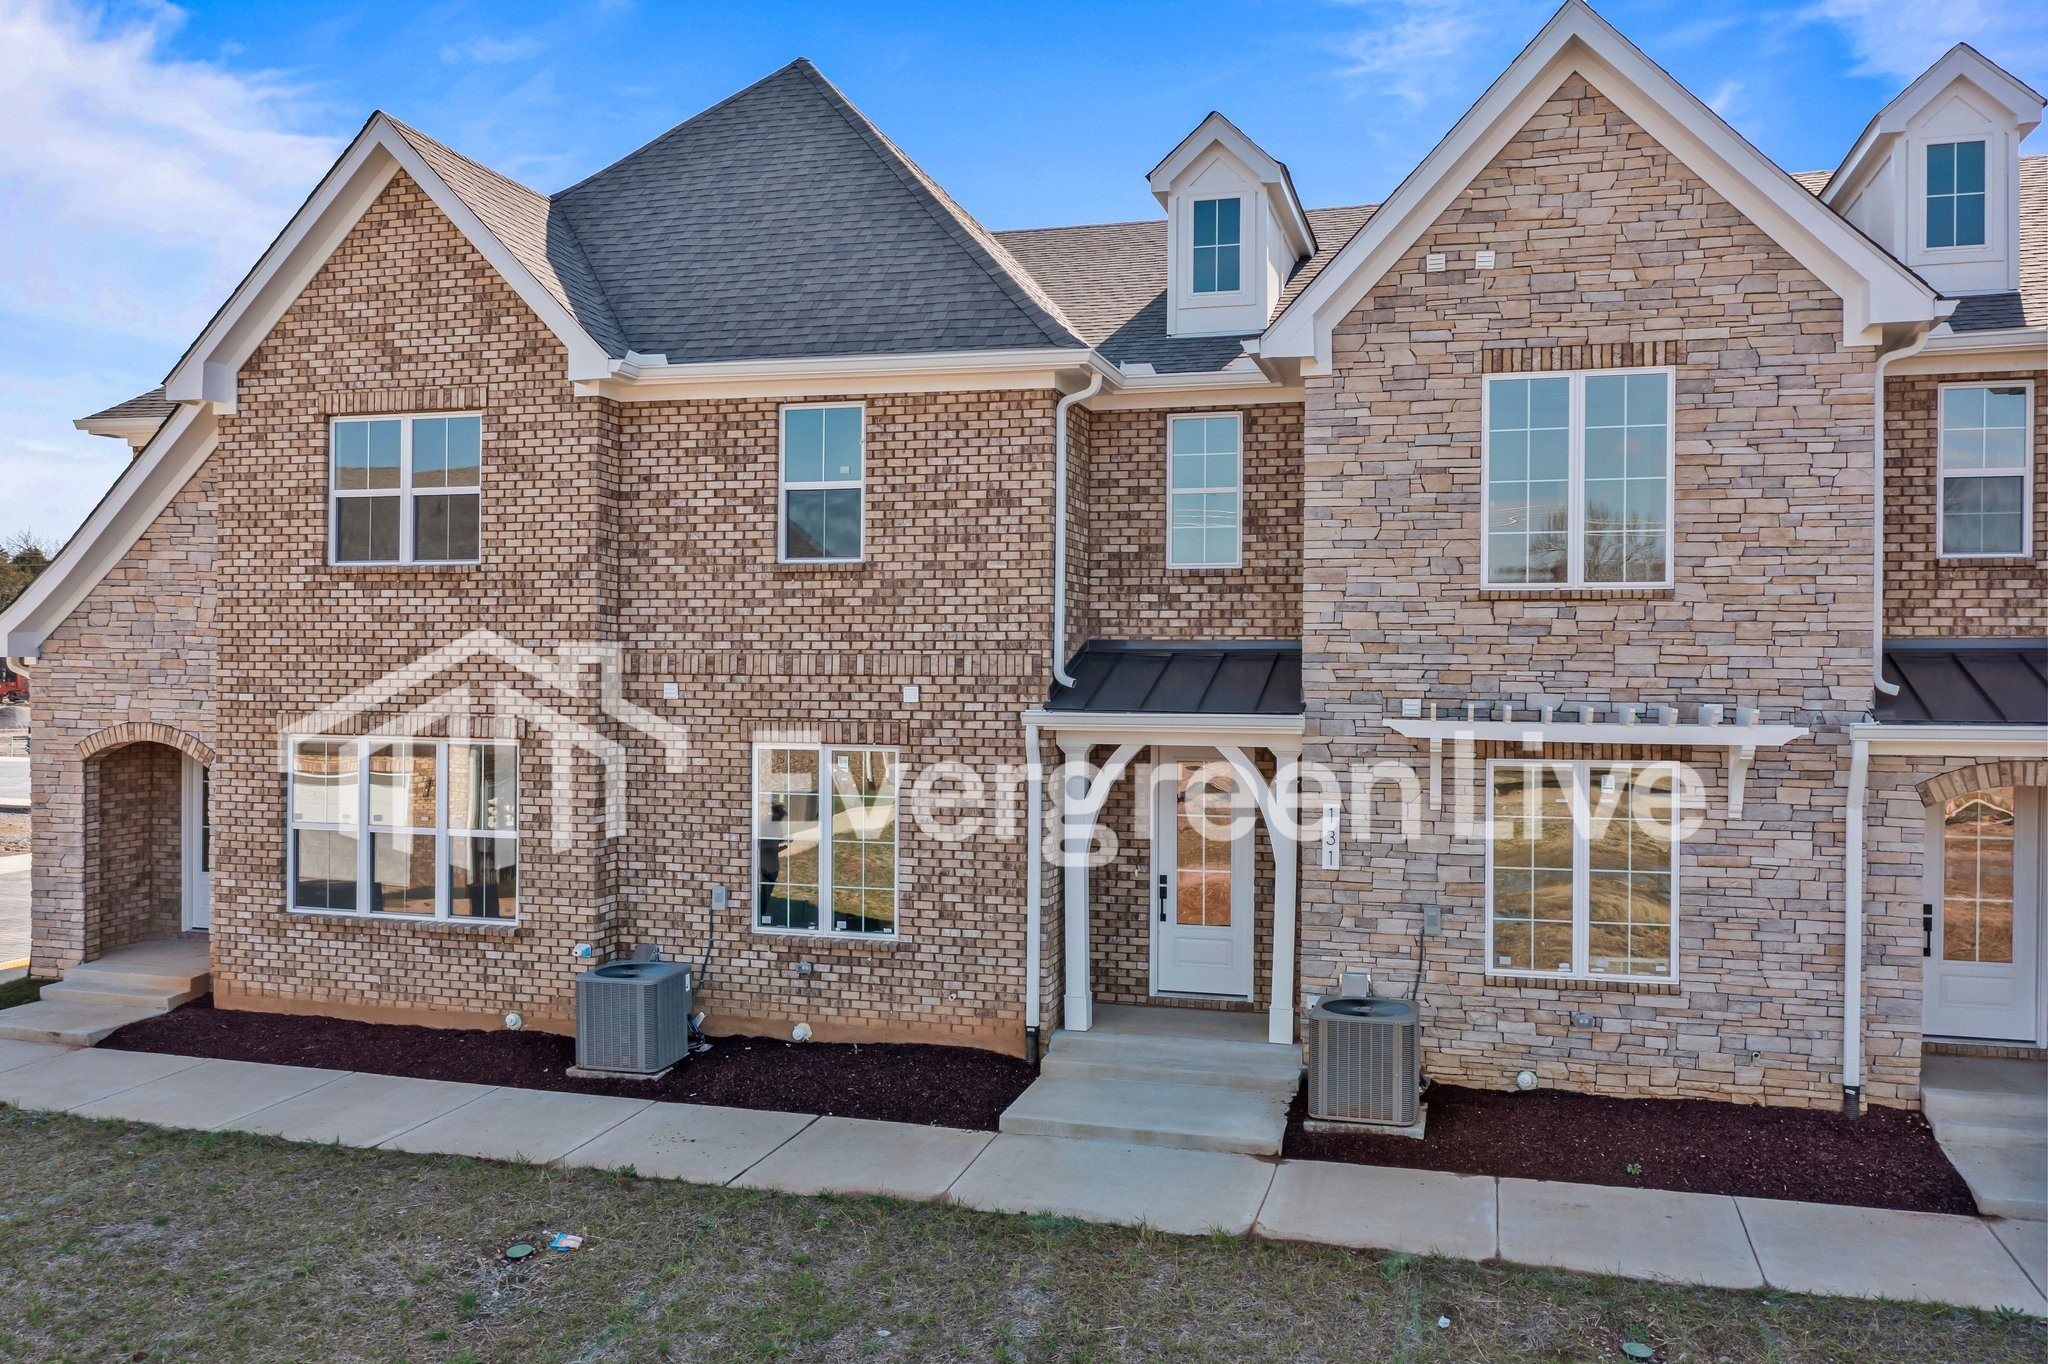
1578	479
825	839
1204	491
421	828
405	489
1955	194
823	464
1582	870
1218	242
1987	472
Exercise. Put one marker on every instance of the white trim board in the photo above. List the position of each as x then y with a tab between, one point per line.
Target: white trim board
1875	289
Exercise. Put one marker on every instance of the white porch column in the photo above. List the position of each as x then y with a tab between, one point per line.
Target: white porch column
1077	833
1281	820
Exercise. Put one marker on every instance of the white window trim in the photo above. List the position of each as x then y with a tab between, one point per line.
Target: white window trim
1575	564
1244	214
783	487
1996	155
1238	560
362	829
1942	473
824	752
407	512
1581	770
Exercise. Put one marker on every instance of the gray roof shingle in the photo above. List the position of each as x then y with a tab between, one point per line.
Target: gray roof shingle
1110	280
780	223
152	404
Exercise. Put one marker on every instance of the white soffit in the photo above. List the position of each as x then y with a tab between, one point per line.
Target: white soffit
207	371
1875	289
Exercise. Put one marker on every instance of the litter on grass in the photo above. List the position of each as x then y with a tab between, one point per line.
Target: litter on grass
564	1241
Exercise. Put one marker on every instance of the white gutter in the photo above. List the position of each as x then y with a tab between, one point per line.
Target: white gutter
1877	517
1852	932
1059	526
1034	885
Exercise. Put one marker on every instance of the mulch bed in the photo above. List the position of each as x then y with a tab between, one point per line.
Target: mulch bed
892	1082
1888	1158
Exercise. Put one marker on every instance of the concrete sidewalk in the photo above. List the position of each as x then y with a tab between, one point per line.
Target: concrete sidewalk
1638	1233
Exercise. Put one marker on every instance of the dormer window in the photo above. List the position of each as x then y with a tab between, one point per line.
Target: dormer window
1955	194
1218	240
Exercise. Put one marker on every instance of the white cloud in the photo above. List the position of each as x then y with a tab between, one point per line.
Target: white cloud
1904	37
139	186
1421	50
1724	98
487	51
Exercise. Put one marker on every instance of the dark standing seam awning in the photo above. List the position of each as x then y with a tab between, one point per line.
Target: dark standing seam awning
1966	682
1157	677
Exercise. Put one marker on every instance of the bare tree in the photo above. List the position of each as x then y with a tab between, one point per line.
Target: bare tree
23	555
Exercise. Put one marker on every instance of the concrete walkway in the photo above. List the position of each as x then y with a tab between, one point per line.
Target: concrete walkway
14	916
1649	1234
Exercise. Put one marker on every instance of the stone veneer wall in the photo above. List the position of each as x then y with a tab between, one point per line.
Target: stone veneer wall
140	651
1603	238
1925	595
1129	590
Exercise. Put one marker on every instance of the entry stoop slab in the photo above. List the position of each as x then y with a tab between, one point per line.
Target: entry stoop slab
98	998
68	1025
1191	1117
1991	1118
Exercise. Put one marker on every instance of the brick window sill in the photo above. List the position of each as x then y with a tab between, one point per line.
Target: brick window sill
821	570
381	922
1570	594
1580	985
823	940
1986	561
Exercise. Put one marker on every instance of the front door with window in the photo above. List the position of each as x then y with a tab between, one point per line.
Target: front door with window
1987	873
197	847
1202	881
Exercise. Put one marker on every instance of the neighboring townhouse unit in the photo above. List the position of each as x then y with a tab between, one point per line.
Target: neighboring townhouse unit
727	552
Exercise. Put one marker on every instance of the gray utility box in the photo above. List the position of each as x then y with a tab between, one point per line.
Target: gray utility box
1365	1060
633	1017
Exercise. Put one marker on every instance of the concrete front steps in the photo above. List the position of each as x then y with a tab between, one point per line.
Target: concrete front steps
1991	1117
97	998
1196	1080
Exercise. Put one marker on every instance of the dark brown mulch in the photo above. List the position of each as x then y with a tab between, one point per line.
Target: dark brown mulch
890	1081
1888	1158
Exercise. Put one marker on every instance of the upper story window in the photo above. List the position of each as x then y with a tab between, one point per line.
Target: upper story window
823	462
1986	472
1955	194
1204	491
825	839
405	489
1218	241
425	828
1578	479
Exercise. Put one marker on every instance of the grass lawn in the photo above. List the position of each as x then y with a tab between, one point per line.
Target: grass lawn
20	991
120	1242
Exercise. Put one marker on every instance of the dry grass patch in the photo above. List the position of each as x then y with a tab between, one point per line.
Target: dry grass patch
120	1242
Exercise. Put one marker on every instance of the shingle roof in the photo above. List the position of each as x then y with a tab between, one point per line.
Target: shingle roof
1966	682
152	404
1235	677
1110	280
532	229
779	223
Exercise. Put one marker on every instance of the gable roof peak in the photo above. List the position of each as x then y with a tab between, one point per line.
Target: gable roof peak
1215	130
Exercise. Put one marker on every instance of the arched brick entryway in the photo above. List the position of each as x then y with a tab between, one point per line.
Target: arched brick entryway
134	833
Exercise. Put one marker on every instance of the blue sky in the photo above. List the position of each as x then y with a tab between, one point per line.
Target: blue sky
153	150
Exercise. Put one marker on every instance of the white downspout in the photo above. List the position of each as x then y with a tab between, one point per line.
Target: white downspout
1034	884
1852	932
1059	526
1877	523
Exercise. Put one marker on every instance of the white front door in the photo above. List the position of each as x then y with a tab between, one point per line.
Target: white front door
197	846
1204	825
1987	873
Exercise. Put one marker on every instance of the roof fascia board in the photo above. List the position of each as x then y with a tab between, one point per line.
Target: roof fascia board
209	369
135	430
137	498
1233	388
807	376
1873	287
1985	741
1207	729
2014	348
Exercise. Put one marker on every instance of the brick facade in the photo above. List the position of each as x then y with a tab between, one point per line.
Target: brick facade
1602	237
1924	594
